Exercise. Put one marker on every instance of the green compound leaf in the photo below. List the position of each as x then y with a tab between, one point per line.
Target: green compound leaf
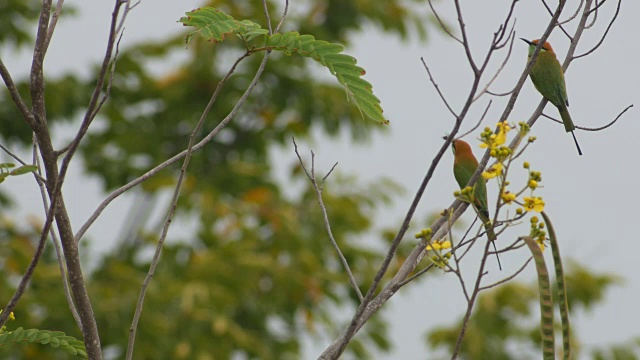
56	339
214	25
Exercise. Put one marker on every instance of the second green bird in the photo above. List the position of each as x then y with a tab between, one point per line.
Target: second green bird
464	165
548	77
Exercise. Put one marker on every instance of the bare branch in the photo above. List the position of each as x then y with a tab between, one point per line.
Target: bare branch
495	76
176	193
471	302
53	23
413	277
325	216
15	96
574	14
597	128
477	125
558	23
369	306
465	39
284	15
266	15
442	24
615	16
508	278
435	85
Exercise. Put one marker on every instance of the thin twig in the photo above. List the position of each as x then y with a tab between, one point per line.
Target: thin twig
495	76
266	15
615	16
442	24
325	216
176	193
53	23
94	216
415	276
284	15
471	301
17	158
465	39
508	278
16	97
558	23
574	14
477	125
593	129
435	85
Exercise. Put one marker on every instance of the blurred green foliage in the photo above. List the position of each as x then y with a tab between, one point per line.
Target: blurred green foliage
505	323
253	270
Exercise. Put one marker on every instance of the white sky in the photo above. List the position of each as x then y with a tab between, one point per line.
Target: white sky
592	199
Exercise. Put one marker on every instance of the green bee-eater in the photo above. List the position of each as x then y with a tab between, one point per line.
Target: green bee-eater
548	77
464	165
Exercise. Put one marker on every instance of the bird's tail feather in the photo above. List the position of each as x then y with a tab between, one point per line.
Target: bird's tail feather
568	125
566	118
491	235
576	141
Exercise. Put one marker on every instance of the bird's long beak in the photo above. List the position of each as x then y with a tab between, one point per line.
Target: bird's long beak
525	40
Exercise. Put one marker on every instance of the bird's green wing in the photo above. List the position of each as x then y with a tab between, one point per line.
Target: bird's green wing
463	173
548	78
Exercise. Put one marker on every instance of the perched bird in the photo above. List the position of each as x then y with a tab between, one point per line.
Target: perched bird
548	77
464	165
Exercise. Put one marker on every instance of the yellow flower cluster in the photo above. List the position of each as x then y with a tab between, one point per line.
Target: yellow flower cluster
537	232
439	245
497	149
439	259
466	194
11	317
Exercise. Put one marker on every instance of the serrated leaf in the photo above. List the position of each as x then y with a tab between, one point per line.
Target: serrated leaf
342	66
214	25
23	170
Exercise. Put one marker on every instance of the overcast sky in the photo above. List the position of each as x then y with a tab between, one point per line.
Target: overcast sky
593	199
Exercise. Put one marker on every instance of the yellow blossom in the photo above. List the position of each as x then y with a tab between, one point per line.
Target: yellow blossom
439	245
493	171
508	197
533	203
503	129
